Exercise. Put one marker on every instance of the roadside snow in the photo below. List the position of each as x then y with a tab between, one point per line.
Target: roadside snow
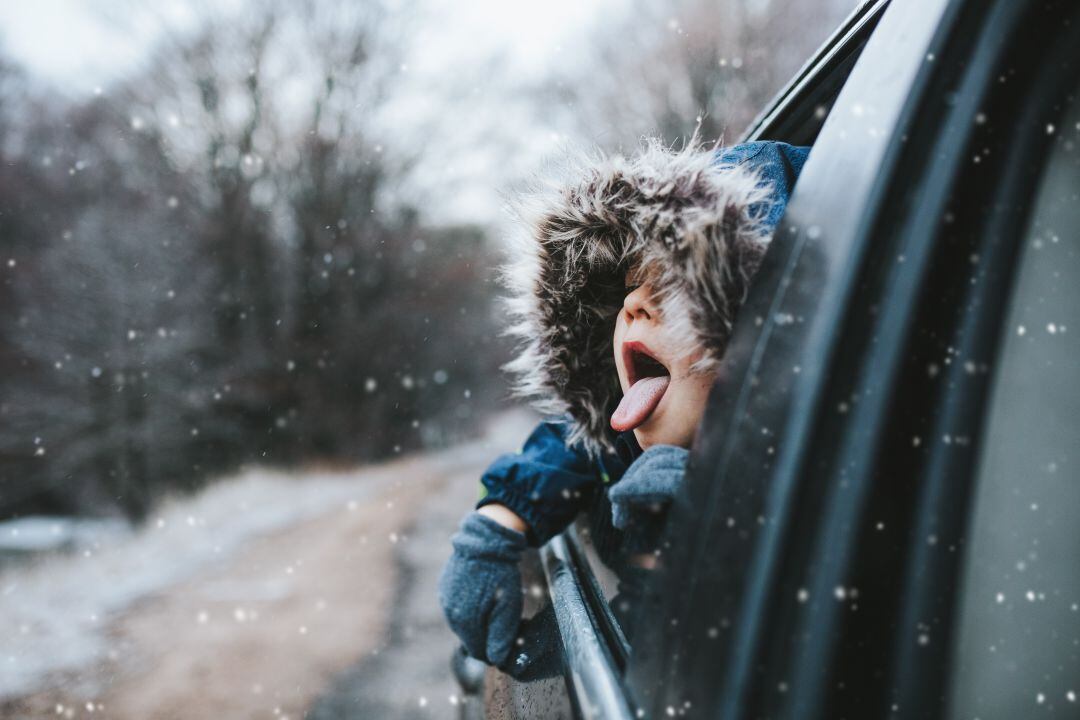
56	612
35	534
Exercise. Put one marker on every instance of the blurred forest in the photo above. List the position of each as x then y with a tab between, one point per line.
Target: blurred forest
223	258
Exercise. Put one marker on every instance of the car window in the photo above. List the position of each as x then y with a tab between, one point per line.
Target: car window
1018	649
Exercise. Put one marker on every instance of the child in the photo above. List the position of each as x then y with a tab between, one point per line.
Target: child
633	271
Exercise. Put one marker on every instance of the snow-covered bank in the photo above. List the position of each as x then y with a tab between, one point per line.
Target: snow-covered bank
28	537
57	612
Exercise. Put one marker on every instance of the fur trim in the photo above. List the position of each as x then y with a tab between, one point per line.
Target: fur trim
685	218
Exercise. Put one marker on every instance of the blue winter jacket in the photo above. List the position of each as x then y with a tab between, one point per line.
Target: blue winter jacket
547	483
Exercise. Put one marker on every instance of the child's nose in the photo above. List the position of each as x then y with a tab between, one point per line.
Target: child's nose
638	304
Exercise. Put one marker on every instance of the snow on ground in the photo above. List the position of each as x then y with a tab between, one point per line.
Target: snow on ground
56	611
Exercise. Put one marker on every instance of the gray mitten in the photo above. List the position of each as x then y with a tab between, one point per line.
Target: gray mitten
480	587
639	500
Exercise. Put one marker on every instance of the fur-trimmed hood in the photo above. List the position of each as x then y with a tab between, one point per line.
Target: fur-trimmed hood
698	221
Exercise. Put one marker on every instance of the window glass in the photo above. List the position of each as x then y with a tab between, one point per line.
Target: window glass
1018	650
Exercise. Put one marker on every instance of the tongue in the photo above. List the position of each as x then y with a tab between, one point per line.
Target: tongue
639	402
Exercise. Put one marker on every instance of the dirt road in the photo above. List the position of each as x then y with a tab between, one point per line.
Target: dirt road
329	614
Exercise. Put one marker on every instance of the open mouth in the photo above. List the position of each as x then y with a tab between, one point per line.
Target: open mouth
648	380
640	362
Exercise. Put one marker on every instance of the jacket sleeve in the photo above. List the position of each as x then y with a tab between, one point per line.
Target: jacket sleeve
546	483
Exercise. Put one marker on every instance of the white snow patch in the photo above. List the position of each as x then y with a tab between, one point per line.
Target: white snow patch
63	603
57	610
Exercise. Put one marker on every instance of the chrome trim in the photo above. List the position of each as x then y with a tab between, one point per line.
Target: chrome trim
591	676
586	560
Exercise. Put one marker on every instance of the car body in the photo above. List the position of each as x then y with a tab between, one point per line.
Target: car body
880	511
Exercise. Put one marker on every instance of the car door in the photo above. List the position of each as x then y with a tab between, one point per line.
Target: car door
816	556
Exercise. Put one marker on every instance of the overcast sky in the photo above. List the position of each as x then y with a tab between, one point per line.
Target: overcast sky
80	45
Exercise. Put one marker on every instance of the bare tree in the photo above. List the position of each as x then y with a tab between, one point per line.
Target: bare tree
663	69
226	271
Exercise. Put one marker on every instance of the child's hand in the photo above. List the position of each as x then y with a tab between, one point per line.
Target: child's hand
480	587
640	499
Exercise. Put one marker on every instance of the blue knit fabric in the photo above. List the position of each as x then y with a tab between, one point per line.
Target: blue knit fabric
641	497
480	587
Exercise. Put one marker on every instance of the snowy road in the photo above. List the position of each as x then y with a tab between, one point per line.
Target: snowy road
265	596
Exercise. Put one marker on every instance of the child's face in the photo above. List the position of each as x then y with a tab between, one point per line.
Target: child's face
639	333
